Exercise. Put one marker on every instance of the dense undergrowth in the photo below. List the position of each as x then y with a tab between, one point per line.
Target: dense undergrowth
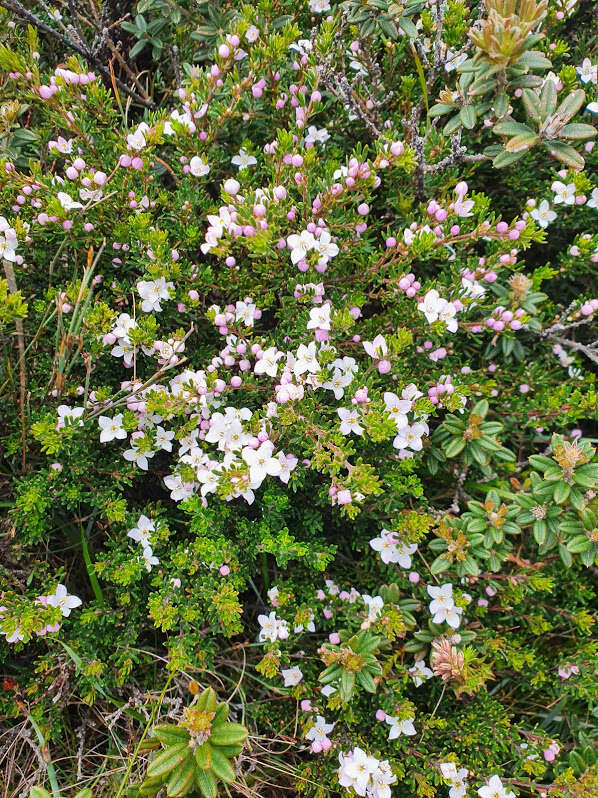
298	384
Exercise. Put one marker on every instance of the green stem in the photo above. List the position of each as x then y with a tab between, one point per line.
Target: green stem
97	590
125	779
49	766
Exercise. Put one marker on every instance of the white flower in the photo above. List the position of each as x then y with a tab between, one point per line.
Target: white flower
245	312
356	769
141	532
7	251
419	672
164	439
398	727
179	490
61	145
152	292
272	627
314	135
563	193
349	421
67	202
593	201
543	214
319	6
338	382
397	408
319	318
300	245
374	605
495	789
325	247
434	307
112	428
243	160
198	167
261	463
457	779
63	601
149	559
269	362
70	416
588	72
287	464
410	437
306	360
442	606
291	676
392	551
376	348
136	140
320	730
138	453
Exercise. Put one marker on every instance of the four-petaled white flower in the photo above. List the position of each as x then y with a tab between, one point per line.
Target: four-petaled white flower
420	672
376	348
152	292
142	532
111	428
67	202
243	160
398	727
320	730
495	789
543	214
268	364
198	167
63	601
261	463
319	318
588	72
306	360
292	676
349	421
410	437
564	194
442	606
456	778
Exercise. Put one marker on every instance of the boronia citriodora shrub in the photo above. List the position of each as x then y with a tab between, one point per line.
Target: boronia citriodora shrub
299	410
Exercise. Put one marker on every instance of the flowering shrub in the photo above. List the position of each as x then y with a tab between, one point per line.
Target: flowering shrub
299	344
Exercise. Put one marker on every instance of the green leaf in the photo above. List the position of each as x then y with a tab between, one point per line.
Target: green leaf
565	556
534	60
565	154
512	129
169	734
561	492
467	115
206	783
168	759
181	782
454	447
521	143
221	767
440	564
579	544
228	734
203	756
506	159
577	130
408	27
440	109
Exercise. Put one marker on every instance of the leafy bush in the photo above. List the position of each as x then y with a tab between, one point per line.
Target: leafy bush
299	398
